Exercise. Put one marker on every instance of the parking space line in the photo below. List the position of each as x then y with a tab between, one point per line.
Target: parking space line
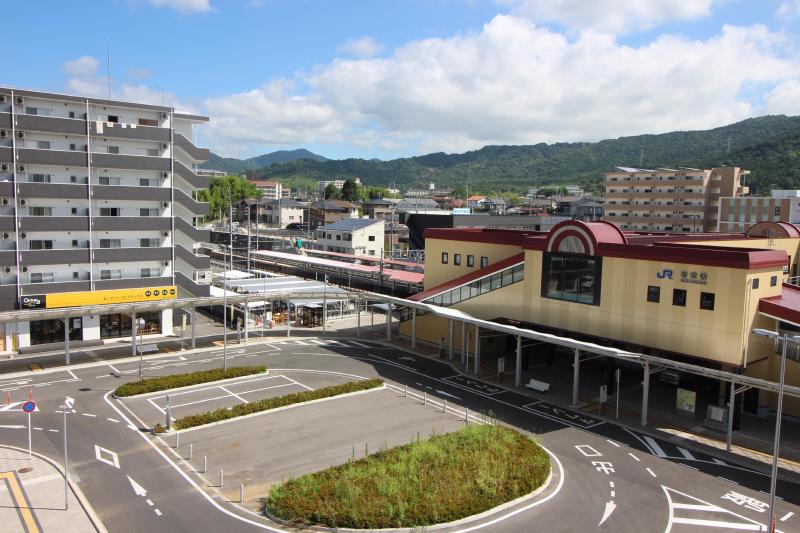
298	383
651	471
212	386
233	394
154	404
267	388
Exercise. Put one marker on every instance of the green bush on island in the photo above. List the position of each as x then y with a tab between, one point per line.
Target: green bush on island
441	479
272	403
184	380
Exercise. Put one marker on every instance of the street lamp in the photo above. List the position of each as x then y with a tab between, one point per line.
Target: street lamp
140	324
776	445
64	408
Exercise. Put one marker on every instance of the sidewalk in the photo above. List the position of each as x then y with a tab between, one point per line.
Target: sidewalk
752	445
32	497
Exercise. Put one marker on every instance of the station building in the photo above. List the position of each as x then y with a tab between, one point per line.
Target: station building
693	298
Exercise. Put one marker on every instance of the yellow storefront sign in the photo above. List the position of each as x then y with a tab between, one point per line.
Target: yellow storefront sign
76	299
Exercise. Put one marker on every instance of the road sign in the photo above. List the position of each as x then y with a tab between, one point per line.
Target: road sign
29	407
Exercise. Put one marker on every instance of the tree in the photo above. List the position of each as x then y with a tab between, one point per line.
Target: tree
350	191
460	192
331	192
227	189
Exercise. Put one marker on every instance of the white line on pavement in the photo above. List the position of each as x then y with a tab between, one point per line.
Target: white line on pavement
298	383
100	451
13	427
651	471
654	446
113	420
685	453
158	513
719	462
636	458
360	344
787	516
149	502
71	373
695	507
53	430
612	442
233	394
687	466
39	429
90	415
716	523
112	367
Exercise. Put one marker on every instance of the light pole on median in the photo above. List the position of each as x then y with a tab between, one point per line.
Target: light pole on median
64	408
140	324
776	445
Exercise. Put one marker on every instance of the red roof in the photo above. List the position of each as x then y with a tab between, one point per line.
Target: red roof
471	276
785	307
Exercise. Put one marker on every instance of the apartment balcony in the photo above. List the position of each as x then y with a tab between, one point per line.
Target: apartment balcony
65	126
195	208
62	158
7	188
131	223
614	195
130	283
51	190
129	131
7	224
5	121
62	286
64	256
135	162
195	181
197	262
195	153
124	192
128	255
75	223
8	258
188	288
6	154
195	234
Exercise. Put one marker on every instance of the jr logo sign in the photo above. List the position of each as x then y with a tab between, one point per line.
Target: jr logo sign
665	274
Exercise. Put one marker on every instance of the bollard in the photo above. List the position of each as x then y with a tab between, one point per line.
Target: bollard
221	479
190	451
177	440
425	398
406	392
241	493
466	415
205	464
444	409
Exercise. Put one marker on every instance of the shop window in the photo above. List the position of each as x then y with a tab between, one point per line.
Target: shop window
457	259
653	294
707	301
773	281
48	331
445	258
755	283
571	277
679	297
470	261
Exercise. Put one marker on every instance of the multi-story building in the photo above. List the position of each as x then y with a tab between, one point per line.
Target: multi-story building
682	200
327	212
379	208
281	213
354	236
211	173
737	214
323	184
270	189
96	206
579	208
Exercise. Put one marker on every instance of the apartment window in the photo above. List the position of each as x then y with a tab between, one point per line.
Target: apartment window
371	252
755	283
152	152
74	243
112	118
572	278
484	261
76	275
338	237
148	122
72	114
773	281
145	182
110	274
372	238
148	212
42	277
679	297
31	110
40	245
445	258
777	210
73	179
470	261
457	259
40	211
149	243
39	178
110	243
110	211
653	294
112	149
73	210
109	180
707	301
148	272
43	145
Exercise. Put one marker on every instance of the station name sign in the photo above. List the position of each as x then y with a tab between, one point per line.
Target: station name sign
76	299
686	276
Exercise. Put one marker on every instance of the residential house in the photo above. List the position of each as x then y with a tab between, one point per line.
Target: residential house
327	212
354	236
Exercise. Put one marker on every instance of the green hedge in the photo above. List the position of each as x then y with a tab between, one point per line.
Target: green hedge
272	403
184	380
442	479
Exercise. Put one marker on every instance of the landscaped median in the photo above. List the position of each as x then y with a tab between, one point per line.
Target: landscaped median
185	380
441	479
267	404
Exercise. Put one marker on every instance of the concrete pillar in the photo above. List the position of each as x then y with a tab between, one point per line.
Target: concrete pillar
358	312
576	376
246	320
388	321
414	328
192	317
645	392
463	343
450	346
288	318
66	341
133	334
518	363
477	363
731	404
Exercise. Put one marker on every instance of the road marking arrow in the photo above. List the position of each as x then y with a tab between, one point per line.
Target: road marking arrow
443	393
137	489
69	402
610	506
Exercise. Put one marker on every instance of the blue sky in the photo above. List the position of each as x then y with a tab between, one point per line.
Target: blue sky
394	78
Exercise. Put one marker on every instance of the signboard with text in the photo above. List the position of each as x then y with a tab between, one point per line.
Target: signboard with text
76	299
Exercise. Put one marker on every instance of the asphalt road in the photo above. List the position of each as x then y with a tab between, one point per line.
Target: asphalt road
607	477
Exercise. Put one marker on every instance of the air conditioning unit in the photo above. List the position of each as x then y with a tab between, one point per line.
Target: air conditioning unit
5	201
8	269
3	134
23	235
166	263
20	135
166	204
166	234
164	145
24	269
5	235
163	115
22	202
165	174
4	168
21	168
2	99
20	100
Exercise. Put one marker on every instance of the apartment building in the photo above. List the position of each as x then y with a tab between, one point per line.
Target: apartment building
670	200
354	236
737	214
96	206
270	190
323	184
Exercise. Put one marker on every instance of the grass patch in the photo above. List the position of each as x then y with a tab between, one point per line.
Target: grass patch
427	482
272	403
184	380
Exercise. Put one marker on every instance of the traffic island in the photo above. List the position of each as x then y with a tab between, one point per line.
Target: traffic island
176	381
442	479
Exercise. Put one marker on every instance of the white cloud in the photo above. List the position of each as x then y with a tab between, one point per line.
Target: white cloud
510	83
615	16
363	47
784	99
81	67
790	8
184	6
140	72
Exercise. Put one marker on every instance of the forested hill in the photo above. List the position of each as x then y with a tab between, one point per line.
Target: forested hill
766	145
240	166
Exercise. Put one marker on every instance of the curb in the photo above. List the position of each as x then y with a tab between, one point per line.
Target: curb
87	508
268	411
432	527
187	387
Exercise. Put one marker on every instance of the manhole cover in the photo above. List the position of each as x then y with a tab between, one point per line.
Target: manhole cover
85	389
25	470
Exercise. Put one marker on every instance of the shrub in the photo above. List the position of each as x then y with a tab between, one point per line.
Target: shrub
272	403
184	380
441	479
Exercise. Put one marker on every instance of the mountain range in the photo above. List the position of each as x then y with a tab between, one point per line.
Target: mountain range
769	146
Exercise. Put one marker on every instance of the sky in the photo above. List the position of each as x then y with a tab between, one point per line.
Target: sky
395	78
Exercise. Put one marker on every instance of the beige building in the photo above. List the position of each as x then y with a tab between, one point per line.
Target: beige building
270	190
669	200
737	214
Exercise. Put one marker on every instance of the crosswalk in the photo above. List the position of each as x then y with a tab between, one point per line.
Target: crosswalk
669	450
324	343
